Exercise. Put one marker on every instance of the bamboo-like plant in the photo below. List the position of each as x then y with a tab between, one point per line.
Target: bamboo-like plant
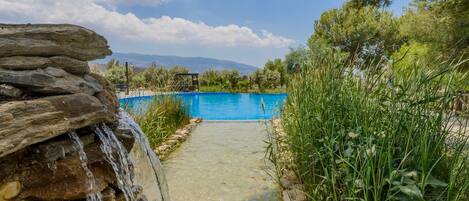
373	135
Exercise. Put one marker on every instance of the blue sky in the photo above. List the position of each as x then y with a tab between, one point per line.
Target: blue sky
248	31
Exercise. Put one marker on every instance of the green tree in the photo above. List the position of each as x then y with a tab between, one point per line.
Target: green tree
233	77
367	33
277	65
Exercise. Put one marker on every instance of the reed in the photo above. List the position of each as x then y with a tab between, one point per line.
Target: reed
161	118
376	136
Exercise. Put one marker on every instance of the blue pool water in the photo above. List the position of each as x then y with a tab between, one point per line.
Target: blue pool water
221	106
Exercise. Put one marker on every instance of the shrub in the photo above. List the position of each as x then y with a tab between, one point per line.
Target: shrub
162	117
375	137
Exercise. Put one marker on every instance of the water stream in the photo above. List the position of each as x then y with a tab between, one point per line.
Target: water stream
92	196
117	156
125	121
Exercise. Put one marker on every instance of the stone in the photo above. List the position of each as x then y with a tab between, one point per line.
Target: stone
177	137
52	40
10	190
109	194
25	123
297	195
68	64
50	81
67	180
10	91
59	147
108	95
171	143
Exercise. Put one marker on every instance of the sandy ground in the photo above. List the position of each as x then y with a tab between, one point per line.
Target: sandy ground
222	161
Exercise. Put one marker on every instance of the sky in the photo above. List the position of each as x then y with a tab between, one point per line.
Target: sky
247	31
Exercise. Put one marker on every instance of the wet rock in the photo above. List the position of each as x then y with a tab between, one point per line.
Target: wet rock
68	64
109	194
67	180
50	81
10	190
52	40
58	148
28	122
10	91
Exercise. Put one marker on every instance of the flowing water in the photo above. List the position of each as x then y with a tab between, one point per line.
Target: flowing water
121	164
151	164
92	196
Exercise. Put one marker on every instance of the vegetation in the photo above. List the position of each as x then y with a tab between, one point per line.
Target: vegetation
375	138
369	109
163	116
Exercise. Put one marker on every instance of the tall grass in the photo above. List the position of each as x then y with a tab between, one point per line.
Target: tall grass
375	136
163	116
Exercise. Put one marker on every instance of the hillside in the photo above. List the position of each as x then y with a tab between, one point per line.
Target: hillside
195	64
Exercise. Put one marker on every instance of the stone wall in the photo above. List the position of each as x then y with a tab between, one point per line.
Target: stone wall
46	92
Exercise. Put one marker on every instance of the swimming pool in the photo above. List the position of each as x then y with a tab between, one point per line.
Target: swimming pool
221	106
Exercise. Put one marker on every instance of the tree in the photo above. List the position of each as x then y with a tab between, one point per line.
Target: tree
258	77
278	66
233	77
364	3
442	25
272	79
365	34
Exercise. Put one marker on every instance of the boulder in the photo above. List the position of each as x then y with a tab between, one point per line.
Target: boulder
10	91
52	40
50	81
28	122
68	64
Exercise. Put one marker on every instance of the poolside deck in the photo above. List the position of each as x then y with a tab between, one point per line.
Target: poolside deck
222	161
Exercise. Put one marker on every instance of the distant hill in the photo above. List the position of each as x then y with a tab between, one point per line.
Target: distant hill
195	64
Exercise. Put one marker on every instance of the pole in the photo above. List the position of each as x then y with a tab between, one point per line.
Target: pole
127	78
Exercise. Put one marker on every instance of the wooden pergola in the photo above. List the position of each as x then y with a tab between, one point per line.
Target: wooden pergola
187	81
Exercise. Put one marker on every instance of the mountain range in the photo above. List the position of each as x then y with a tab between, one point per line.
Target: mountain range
194	64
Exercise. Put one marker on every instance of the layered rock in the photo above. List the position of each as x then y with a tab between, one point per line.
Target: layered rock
52	40
68	64
51	81
47	93
24	123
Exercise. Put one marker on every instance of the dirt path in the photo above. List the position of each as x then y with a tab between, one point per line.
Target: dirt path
222	162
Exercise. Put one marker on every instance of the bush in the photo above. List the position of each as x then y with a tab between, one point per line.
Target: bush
162	118
375	138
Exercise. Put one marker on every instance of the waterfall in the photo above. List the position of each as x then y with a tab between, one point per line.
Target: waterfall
125	121
121	165
92	195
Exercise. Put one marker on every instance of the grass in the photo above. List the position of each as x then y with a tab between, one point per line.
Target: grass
375	138
162	118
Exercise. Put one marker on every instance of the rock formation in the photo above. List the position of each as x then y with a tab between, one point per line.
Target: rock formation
47	96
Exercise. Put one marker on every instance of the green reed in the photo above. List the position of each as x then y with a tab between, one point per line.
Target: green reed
378	136
163	116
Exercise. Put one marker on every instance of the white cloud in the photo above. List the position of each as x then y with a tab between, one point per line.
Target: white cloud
114	3
110	23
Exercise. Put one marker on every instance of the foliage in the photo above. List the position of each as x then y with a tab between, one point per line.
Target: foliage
442	25
368	32
375	138
277	65
115	72
162	118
